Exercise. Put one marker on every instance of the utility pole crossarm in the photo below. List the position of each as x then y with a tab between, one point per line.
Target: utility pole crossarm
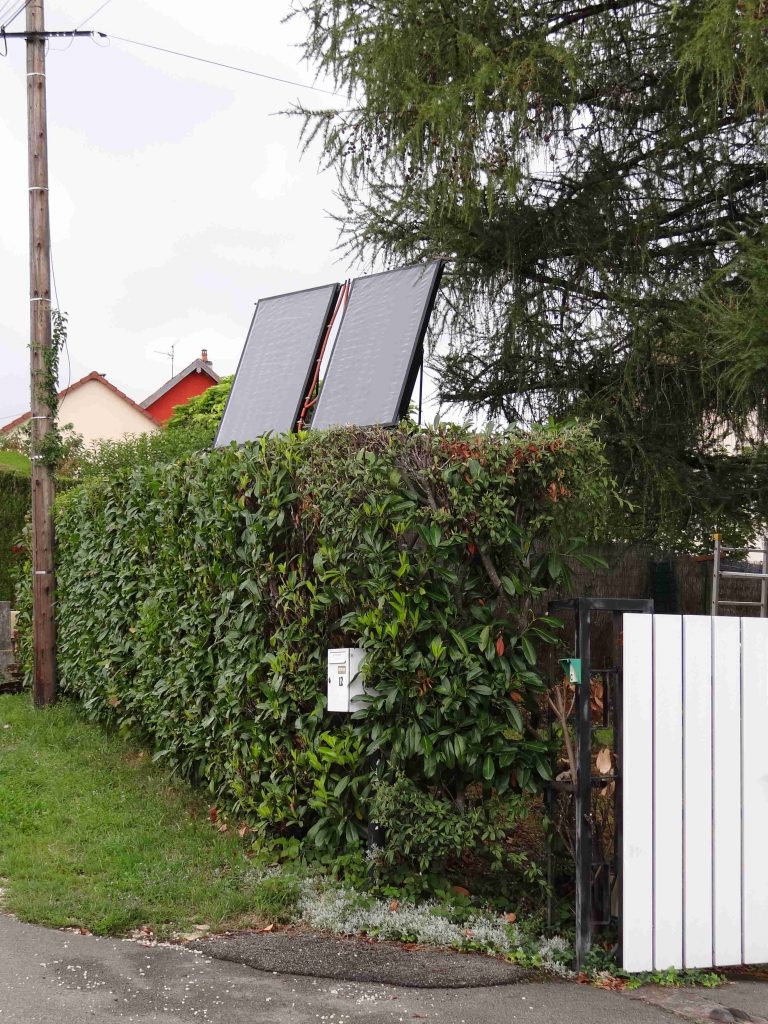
49	35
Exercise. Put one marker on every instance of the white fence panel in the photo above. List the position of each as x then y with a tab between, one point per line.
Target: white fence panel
726	789
754	766
637	759
668	790
695	791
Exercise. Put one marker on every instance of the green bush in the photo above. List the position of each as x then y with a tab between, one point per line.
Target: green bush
427	833
14	506
106	458
201	413
196	602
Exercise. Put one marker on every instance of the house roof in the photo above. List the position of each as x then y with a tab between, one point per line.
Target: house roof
197	366
78	384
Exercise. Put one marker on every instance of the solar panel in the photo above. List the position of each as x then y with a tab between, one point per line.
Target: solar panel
375	361
276	364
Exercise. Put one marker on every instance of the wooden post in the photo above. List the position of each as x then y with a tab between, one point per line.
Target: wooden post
43	577
6	647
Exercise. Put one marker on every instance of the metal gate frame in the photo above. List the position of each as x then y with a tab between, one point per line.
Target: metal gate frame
583	609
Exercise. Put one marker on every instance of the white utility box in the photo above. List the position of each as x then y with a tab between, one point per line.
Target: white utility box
345	684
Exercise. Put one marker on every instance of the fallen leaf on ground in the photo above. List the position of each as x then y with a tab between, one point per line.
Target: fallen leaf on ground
393	905
611	983
510	918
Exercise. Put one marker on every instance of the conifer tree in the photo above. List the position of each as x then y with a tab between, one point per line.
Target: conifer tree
595	172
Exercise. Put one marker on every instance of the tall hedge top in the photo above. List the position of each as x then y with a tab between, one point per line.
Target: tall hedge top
196	602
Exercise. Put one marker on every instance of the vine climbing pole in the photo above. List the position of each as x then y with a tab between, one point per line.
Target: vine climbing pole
42	366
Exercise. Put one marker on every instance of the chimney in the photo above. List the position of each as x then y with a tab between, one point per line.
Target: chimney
204	357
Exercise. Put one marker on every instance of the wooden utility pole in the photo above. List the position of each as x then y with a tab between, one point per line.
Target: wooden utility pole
43	574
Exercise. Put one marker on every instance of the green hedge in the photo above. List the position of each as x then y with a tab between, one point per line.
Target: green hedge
196	602
14	506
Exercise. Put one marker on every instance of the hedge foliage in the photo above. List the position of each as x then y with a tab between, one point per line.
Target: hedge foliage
196	602
14	506
202	413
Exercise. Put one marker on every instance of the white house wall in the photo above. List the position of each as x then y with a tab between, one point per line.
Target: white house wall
96	412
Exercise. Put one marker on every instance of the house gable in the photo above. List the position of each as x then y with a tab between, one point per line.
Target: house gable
191	381
97	410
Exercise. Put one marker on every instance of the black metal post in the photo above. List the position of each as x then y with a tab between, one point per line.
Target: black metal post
583	789
618	748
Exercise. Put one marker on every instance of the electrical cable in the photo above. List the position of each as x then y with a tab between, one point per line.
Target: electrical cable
14	16
92	16
14	417
63	49
58	307
5	8
219	64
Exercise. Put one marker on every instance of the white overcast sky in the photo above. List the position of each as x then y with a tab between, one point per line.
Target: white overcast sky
179	196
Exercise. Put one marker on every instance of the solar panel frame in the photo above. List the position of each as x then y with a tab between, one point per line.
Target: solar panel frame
414	359
333	289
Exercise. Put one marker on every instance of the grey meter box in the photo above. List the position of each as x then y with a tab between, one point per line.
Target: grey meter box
345	684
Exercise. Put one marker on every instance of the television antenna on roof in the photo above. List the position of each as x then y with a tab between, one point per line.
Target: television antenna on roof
169	355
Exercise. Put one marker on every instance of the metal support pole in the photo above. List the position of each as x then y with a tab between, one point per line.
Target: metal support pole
764	582
618	750
6	645
583	794
716	575
421	382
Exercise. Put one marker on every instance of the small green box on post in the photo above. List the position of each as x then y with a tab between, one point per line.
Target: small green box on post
572	669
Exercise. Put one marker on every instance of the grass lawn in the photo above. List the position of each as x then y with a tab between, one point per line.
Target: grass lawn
92	834
15	460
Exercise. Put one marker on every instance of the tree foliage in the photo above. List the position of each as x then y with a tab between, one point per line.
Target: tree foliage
202	413
595	172
196	601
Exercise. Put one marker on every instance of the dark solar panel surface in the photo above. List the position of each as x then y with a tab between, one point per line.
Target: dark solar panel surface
375	360
275	367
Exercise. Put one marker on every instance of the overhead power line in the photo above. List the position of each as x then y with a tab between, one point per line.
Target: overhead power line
5	8
16	13
92	16
219	64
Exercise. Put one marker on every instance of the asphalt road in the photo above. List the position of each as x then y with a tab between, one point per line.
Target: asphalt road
55	977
